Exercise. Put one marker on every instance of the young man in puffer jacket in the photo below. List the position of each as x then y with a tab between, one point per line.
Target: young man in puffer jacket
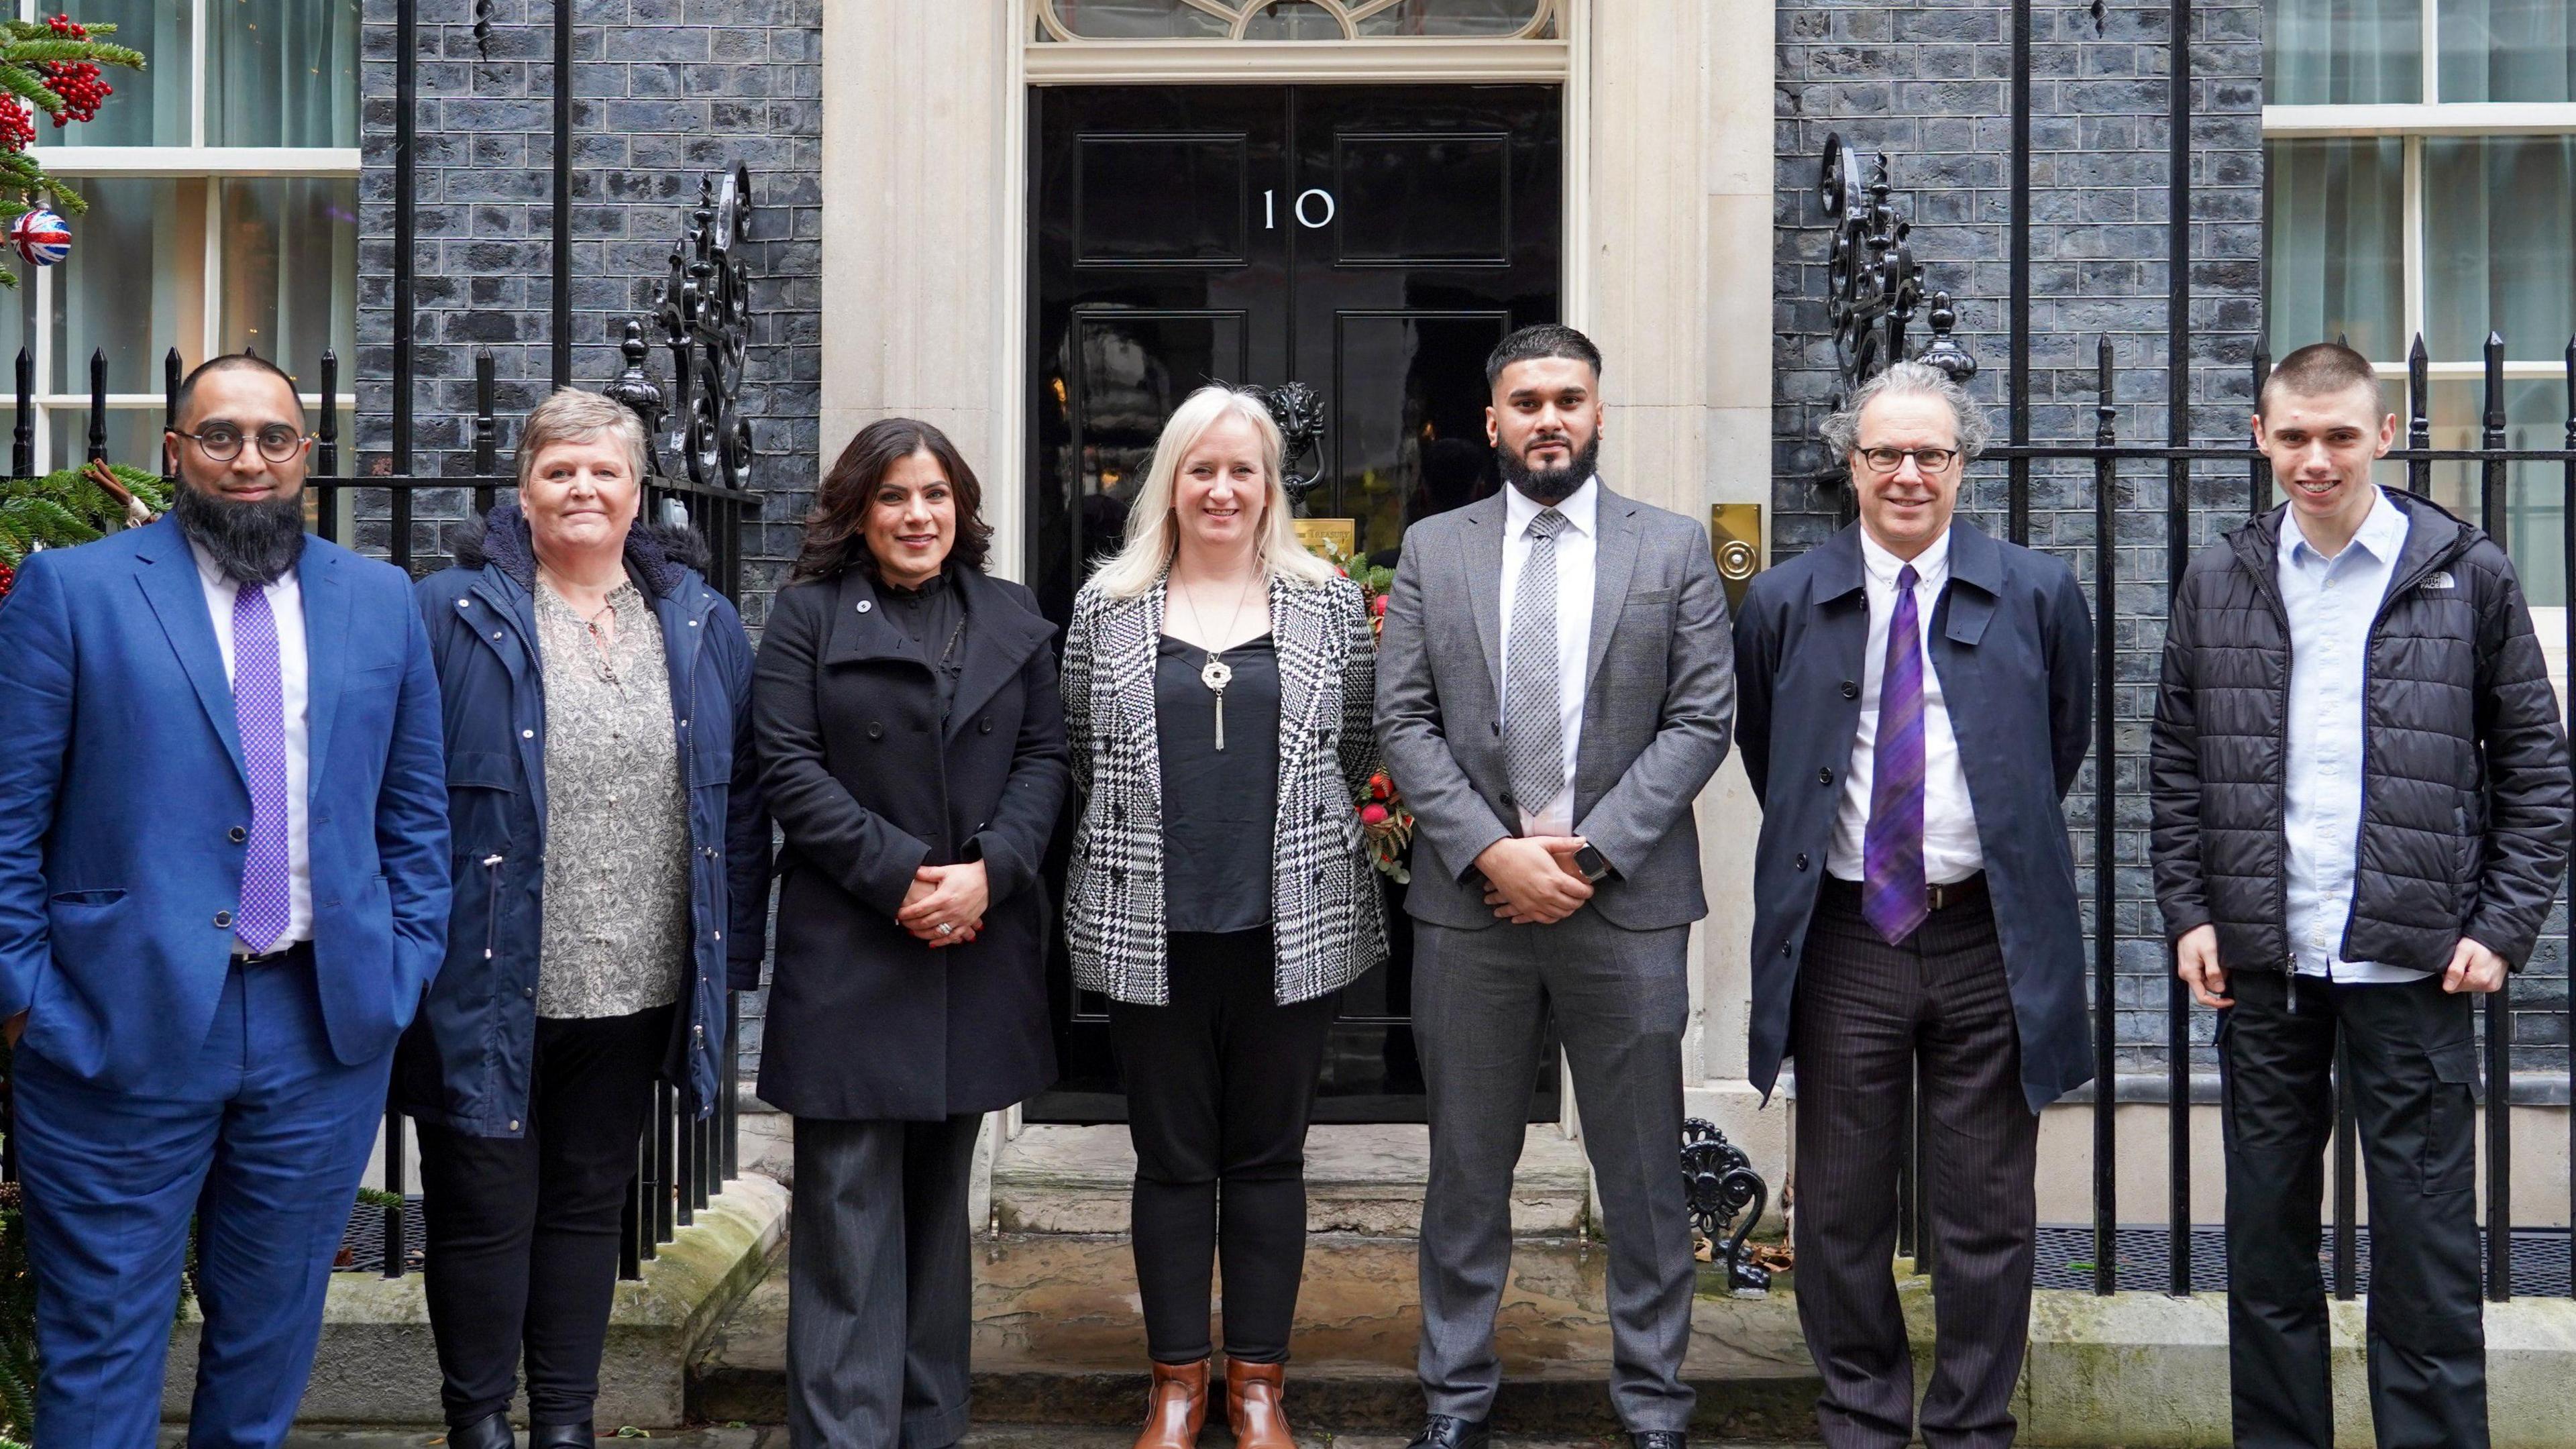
2361	813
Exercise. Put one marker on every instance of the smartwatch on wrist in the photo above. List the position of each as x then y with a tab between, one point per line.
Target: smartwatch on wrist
1592	863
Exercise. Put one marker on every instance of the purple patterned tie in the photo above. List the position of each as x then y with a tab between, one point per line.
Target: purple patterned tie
1892	895
259	710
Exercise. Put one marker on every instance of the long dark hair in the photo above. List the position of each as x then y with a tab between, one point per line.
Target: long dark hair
835	532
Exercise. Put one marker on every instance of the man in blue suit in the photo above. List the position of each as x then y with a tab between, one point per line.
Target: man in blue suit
223	885
1914	701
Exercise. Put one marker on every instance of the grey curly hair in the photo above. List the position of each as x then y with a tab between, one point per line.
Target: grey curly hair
1841	428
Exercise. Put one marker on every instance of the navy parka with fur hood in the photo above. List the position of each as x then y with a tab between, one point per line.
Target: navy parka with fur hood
466	1061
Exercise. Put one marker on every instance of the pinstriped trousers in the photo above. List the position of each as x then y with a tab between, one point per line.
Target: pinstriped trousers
1867	1017
880	1284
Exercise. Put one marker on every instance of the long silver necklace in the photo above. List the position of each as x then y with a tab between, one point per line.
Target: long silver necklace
1216	674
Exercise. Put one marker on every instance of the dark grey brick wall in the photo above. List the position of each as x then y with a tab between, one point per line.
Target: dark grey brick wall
1928	82
665	92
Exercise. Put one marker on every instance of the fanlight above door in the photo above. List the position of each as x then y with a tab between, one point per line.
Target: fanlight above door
1080	20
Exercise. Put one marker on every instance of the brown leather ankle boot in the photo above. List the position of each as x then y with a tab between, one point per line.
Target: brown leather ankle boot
1175	1407
1252	1405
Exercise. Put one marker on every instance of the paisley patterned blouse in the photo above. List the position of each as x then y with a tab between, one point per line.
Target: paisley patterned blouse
616	933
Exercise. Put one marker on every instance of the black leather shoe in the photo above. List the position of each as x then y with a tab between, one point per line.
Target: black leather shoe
561	1436
492	1431
1442	1431
1660	1439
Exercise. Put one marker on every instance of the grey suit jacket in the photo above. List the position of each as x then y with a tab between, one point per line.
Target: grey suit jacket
1658	705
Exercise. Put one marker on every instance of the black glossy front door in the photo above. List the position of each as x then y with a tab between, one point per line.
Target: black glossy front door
1372	242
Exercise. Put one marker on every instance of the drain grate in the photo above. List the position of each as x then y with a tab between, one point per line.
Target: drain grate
2065	1259
362	1246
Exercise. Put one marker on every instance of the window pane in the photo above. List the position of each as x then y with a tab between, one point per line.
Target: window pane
134	285
2334	244
2499	245
1455	17
2508	50
1293	20
133	437
2535	417
2342	52
149	107
1135	19
290	270
282	72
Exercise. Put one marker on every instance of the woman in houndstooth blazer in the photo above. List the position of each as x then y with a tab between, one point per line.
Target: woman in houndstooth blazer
1218	684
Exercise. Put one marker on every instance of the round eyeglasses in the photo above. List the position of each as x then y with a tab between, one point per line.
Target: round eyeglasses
222	442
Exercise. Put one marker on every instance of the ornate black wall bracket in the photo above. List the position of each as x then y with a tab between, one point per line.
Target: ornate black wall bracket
1300	416
1873	284
705	318
1727	1198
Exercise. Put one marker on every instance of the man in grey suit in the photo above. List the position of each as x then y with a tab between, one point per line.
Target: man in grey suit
1555	685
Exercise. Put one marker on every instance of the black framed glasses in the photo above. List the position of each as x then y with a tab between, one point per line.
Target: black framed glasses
222	442
1888	460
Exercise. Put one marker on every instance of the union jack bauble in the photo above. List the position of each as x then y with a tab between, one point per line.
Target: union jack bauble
41	237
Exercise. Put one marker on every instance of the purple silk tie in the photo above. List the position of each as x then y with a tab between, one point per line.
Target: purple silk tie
1892	893
259	711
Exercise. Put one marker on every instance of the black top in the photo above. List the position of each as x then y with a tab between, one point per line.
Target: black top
933	617
1220	807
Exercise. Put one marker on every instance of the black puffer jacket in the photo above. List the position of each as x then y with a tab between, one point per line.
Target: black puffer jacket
2466	797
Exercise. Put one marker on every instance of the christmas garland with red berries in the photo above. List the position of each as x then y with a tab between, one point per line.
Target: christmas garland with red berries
52	66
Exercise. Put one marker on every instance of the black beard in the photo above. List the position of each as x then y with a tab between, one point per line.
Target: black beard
253	543
1548	487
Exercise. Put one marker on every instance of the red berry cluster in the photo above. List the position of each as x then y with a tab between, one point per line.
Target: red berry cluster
8	580
17	128
76	82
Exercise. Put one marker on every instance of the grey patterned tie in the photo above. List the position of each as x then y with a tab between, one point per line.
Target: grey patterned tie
1533	730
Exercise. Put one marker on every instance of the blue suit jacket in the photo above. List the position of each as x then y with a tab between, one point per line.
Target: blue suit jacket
121	789
2012	642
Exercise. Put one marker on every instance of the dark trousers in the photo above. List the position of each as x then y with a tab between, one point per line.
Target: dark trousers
263	1139
1867	1019
1219	1086
522	1231
880	1283
2408	1049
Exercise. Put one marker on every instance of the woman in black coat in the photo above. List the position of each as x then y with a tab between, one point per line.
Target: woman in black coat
912	749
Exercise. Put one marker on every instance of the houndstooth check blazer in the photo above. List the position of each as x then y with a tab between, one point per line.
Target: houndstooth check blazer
1328	924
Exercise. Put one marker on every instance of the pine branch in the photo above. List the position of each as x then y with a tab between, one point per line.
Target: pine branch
24	83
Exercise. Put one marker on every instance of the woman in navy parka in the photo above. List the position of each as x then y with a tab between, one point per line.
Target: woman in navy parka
611	873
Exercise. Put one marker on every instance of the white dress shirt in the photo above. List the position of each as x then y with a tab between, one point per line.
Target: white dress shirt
2332	603
286	601
1950	849
1576	548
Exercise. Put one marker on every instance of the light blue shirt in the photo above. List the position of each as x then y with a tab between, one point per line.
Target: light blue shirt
2332	603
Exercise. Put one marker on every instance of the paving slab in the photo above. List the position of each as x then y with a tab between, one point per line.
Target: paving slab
1000	1437
1364	1180
1059	1339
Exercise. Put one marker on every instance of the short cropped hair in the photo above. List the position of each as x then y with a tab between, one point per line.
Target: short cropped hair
1544	339
570	415
1841	427
2320	369
231	362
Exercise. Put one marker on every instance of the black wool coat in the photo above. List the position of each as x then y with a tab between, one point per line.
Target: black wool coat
866	1022
2465	798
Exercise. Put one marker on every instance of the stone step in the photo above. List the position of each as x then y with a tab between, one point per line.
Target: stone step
1058	1340
1363	1180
